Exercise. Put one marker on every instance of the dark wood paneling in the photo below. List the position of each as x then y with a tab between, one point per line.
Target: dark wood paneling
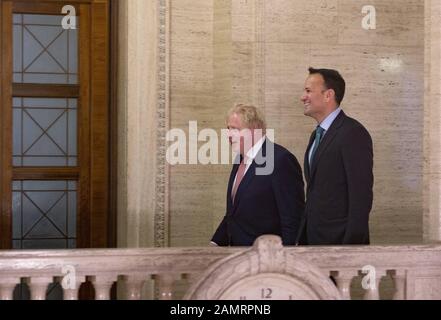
46	6
6	124
45	90
2	218
113	136
42	173
84	208
99	170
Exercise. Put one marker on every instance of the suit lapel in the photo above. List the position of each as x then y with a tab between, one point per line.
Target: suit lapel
231	182
249	175
327	139
306	160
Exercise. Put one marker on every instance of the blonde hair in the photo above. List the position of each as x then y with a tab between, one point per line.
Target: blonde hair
250	116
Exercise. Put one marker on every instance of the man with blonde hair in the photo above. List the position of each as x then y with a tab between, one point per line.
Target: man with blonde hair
265	193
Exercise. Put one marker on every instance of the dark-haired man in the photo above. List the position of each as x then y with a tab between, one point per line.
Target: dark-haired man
338	167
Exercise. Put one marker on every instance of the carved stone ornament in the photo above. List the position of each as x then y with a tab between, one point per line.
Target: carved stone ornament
263	272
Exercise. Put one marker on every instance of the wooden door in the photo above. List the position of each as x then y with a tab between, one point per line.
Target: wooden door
54	136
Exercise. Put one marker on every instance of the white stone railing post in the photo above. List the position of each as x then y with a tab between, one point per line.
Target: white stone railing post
102	285
399	277
344	279
134	285
372	292
165	285
72	293
7	286
38	286
415	269
191	277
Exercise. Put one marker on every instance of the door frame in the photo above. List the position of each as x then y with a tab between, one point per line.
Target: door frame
105	221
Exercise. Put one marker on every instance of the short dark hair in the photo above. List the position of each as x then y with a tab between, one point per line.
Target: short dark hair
333	80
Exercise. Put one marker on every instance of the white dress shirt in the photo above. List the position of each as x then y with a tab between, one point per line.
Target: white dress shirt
251	155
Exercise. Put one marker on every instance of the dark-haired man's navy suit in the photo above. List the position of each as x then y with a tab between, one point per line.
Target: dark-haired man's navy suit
339	186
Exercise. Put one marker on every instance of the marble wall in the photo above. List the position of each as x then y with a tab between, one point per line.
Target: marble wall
383	69
191	99
255	51
432	123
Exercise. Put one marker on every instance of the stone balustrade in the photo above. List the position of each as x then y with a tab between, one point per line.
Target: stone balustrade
415	270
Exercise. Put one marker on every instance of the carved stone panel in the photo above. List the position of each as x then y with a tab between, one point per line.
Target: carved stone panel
263	272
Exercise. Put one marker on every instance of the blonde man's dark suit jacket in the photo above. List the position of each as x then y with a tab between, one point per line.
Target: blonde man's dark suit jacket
264	204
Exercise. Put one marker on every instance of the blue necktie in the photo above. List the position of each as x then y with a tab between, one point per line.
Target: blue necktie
318	137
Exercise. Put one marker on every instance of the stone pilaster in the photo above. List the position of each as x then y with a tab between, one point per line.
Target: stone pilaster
432	122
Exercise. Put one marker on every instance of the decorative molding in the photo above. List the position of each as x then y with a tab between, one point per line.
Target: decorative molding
161	220
240	274
270	258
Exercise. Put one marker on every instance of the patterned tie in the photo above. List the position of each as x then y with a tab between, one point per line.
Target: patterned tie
318	137
239	176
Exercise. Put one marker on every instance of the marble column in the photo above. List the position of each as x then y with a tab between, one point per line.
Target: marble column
143	68
142	123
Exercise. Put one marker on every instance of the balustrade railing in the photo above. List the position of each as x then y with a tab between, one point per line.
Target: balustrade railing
415	270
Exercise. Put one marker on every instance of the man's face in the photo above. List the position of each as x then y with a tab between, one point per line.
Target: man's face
240	137
315	96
